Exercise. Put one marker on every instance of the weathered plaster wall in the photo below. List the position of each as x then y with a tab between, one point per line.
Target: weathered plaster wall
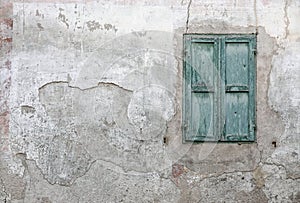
90	103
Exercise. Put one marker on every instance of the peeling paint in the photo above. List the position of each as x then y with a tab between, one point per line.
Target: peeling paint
63	18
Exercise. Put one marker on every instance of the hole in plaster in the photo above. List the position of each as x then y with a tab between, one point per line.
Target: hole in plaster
274	143
165	140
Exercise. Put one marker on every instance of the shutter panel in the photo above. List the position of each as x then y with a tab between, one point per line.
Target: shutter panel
203	90
239	90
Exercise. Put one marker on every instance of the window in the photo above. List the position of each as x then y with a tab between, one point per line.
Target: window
219	74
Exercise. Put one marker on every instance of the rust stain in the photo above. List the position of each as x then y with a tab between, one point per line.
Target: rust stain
8	22
177	170
5	40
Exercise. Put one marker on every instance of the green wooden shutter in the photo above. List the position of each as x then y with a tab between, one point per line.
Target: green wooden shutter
200	91
219	87
238	75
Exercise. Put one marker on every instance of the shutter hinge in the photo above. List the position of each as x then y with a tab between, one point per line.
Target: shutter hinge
252	126
224	129
254	51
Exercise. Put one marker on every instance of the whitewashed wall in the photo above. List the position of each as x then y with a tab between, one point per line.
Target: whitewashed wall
90	89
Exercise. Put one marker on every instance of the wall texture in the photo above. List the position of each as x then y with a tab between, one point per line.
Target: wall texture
90	103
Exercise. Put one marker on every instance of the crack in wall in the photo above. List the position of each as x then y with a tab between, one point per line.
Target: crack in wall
217	175
281	166
56	179
188	16
24	159
85	89
191	181
53	178
255	15
6	195
286	18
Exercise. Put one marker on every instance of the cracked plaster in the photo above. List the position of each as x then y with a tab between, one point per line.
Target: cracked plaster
89	107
